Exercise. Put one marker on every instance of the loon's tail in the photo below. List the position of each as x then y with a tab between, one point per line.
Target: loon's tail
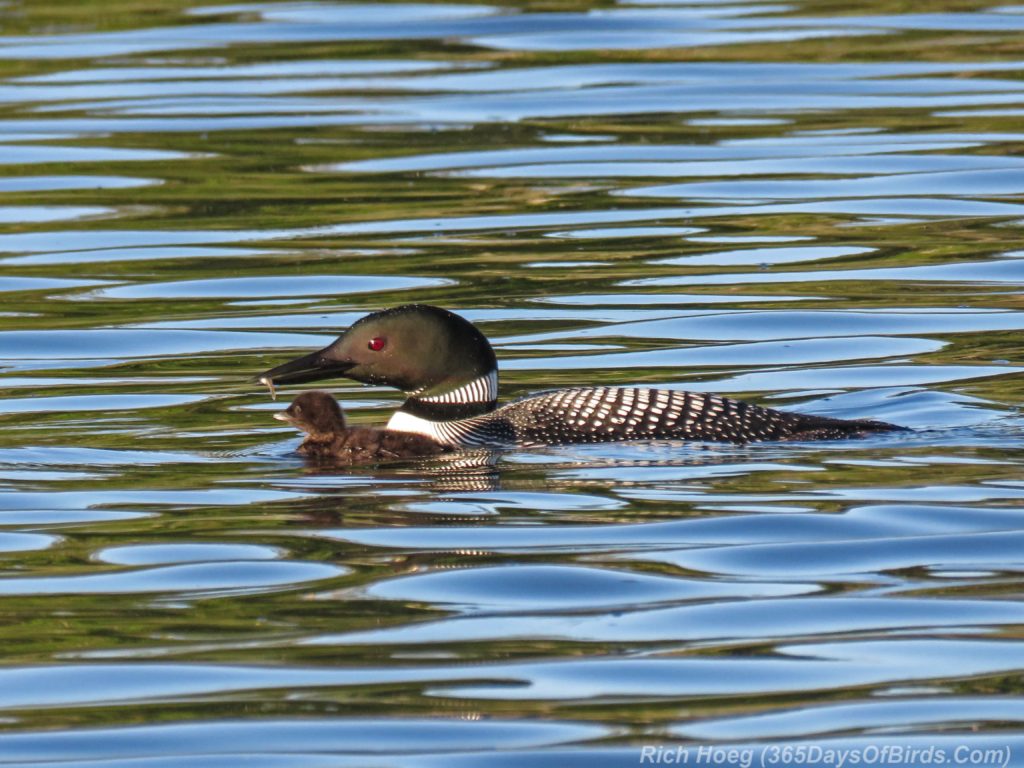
809	427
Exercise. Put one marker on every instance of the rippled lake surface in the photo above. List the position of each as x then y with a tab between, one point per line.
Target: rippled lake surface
809	205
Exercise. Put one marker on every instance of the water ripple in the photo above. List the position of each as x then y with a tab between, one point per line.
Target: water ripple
811	210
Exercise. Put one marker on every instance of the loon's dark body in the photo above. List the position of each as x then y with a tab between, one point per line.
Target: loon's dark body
610	414
448	371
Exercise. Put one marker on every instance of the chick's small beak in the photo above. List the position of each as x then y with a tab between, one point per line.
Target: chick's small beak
282	416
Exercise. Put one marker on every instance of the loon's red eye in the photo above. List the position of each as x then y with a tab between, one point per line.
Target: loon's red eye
376	344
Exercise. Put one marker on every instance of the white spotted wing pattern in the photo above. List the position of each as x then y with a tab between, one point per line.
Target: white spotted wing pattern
611	414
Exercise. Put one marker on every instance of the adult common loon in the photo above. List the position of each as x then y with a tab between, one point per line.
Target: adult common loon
330	440
448	371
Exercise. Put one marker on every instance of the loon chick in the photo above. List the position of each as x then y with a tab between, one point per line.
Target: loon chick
448	371
328	439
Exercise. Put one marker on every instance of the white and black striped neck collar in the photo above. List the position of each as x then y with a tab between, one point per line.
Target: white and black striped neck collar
474	398
483	389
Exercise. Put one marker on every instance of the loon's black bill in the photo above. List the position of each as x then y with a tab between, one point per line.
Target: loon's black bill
311	367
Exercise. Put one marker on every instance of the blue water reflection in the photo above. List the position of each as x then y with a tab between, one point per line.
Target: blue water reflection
815	211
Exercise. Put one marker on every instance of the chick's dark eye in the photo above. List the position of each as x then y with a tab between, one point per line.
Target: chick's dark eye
376	344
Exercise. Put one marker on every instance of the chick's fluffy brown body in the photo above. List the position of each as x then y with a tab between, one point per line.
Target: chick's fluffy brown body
363	445
330	440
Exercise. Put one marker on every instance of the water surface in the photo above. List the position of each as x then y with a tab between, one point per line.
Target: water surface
810	207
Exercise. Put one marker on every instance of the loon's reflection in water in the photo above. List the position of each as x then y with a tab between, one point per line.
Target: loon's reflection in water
483	469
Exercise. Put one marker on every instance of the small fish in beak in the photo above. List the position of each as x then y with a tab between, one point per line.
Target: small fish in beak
269	384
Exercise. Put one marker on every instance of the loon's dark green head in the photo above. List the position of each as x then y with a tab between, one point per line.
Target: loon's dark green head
315	412
422	350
